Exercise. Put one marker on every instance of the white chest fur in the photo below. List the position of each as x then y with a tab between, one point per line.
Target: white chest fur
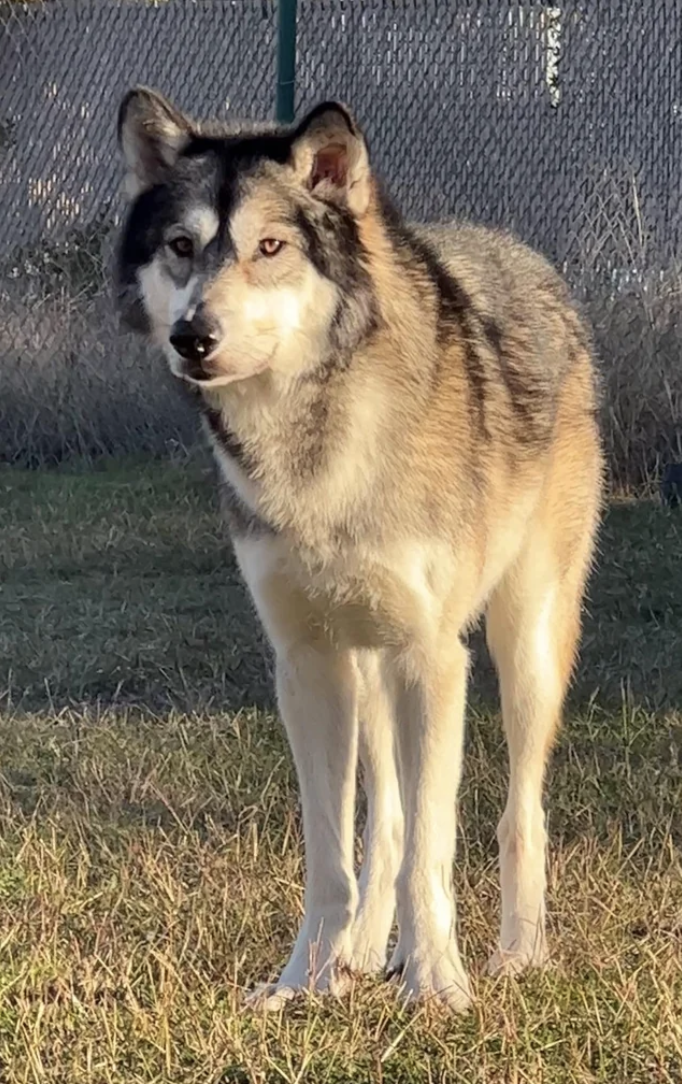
360	598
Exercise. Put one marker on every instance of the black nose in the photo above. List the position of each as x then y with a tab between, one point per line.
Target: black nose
194	339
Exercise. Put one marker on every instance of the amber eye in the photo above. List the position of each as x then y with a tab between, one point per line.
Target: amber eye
269	246
182	247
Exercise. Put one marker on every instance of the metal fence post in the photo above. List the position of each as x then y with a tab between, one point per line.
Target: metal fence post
286	60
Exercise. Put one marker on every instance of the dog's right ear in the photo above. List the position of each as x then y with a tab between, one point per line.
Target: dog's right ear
151	134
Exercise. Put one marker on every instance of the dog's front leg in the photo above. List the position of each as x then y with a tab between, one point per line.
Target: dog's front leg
317	693
383	836
317	696
430	726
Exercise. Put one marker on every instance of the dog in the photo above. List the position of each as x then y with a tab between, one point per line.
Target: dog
405	423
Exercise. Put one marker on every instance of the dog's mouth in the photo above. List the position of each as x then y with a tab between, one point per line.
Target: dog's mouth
201	373
194	370
199	377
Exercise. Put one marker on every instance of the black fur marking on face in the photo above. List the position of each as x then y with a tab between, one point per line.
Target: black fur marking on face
232	158
144	230
333	246
139	241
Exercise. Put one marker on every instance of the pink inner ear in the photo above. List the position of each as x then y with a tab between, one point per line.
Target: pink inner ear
330	164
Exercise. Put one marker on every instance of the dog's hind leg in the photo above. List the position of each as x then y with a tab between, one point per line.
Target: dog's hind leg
383	836
533	624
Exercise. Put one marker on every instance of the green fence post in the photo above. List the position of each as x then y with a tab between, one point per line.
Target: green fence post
286	60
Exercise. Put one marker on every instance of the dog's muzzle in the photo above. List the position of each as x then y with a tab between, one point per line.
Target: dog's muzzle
195	340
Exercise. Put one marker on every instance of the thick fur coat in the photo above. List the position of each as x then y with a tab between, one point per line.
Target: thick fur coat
405	423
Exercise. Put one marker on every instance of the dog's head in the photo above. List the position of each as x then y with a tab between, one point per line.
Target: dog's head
241	251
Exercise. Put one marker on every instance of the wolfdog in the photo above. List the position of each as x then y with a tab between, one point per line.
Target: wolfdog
404	419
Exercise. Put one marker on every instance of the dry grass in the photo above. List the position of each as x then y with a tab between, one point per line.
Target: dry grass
150	853
639	341
71	384
69	389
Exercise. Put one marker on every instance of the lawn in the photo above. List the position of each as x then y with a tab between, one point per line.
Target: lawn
150	850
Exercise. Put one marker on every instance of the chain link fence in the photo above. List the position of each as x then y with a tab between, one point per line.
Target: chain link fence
561	121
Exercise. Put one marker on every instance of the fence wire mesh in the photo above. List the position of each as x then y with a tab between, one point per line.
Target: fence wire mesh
561	121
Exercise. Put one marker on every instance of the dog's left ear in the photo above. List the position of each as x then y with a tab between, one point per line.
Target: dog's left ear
329	155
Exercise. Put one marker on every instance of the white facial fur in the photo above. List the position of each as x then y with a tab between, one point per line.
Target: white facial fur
165	299
274	312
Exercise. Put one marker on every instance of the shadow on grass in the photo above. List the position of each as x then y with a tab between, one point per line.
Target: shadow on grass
119	588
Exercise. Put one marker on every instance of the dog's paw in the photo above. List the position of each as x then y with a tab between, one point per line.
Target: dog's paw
271	997
436	978
516	961
298	982
367	953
